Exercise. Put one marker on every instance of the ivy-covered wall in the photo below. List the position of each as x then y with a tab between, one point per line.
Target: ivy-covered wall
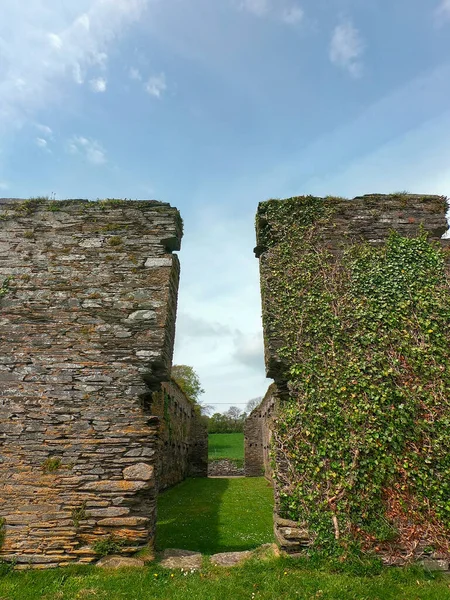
356	312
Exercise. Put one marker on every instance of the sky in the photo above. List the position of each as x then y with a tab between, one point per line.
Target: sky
214	106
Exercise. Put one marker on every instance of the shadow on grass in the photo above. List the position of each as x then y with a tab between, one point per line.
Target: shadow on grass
215	515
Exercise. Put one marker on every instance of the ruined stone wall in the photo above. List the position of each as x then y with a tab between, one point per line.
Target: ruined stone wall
258	435
184	438
371	219
87	321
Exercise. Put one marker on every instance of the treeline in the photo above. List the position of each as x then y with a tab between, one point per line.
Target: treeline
231	421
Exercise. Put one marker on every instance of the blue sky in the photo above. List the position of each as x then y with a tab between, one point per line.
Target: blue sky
213	106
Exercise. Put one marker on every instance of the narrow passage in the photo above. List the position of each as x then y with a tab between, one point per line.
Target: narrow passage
216	515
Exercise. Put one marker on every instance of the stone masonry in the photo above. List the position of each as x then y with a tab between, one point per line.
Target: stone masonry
368	218
88	294
258	435
184	438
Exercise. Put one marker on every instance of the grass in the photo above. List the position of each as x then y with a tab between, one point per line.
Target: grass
226	445
216	515
283	579
212	515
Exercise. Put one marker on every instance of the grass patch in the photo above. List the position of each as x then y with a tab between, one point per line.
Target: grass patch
283	579
216	515
226	445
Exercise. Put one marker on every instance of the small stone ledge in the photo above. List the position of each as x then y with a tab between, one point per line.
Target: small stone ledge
224	468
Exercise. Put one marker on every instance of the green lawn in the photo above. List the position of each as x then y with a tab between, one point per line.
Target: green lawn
216	515
226	445
277	579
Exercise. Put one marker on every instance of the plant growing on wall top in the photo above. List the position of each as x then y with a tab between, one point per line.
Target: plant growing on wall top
189	382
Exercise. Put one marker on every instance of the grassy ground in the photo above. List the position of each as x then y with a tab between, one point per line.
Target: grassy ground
226	445
277	579
216	515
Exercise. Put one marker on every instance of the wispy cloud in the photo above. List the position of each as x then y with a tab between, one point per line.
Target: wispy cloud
90	149
4	185
249	350
135	74
44	130
49	48
290	14
98	85
41	143
443	10
195	327
346	48
156	85
256	7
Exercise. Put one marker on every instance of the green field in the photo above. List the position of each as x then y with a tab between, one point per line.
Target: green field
276	579
226	445
216	515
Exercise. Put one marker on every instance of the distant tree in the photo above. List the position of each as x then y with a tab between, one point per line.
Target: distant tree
252	404
218	423
189	382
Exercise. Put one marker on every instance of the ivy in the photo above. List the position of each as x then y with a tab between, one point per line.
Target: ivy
4	288
362	438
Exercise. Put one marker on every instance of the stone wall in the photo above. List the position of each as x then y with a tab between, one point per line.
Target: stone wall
258	435
369	218
225	467
87	322
184	438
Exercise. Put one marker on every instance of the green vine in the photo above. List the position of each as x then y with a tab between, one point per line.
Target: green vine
108	545
167	420
79	514
2	531
4	288
361	441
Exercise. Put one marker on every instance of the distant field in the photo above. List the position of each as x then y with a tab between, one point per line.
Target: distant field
226	445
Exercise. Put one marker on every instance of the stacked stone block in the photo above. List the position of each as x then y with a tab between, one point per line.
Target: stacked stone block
184	438
258	435
87	323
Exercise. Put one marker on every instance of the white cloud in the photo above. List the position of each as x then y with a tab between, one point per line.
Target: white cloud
77	74
41	143
44	129
249	350
55	40
346	48
90	149
195	327
443	10
292	15
42	49
84	22
156	85
256	7
135	74
98	85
